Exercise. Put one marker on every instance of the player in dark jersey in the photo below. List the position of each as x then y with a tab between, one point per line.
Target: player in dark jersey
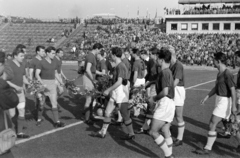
25	63
225	103
138	69
17	83
101	65
40	98
152	73
88	79
179	98
118	93
46	73
58	60
164	109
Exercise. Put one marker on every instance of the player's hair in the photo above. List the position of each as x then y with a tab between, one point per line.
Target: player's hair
21	46
165	54
2	57
38	48
136	51
17	51
9	55
97	46
143	52
59	50
49	49
219	56
154	50
117	51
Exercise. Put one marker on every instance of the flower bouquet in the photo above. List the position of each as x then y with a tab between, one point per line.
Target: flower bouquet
35	87
139	98
233	125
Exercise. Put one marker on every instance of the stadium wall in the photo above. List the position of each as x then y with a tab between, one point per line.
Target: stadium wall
225	23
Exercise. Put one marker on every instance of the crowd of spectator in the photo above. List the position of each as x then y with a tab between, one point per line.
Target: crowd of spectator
191	49
111	21
205	10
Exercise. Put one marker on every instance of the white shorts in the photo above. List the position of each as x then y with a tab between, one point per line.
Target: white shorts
164	110
139	82
179	96
223	107
238	95
120	94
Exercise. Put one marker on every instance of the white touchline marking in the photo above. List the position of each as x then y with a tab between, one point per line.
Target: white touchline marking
202	84
199	84
196	89
47	133
80	122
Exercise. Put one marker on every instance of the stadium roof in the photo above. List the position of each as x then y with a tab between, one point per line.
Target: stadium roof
206	1
105	15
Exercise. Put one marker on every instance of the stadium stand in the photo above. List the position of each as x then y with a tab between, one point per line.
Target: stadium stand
31	35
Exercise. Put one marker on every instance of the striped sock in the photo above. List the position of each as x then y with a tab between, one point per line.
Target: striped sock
163	145
212	135
169	142
129	126
106	123
181	128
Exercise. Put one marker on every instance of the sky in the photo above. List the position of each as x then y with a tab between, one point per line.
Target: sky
53	9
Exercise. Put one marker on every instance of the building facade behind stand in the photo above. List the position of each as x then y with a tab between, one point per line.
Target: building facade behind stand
226	20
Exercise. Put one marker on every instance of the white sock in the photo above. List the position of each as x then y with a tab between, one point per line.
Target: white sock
163	145
212	135
181	128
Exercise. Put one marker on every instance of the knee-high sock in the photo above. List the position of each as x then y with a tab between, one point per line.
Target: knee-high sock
20	124
163	145
55	114
129	126
169	142
212	135
181	128
106	122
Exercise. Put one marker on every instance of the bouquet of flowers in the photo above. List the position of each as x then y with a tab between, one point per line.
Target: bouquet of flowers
35	87
139	97
233	125
101	85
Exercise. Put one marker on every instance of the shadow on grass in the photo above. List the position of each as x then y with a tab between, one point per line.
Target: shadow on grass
198	141
118	131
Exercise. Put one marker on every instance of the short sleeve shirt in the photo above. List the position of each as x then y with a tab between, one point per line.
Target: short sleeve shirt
19	72
178	73
152	70
58	64
25	63
90	58
128	65
224	83
120	71
34	63
101	65
139	66
165	79
47	69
